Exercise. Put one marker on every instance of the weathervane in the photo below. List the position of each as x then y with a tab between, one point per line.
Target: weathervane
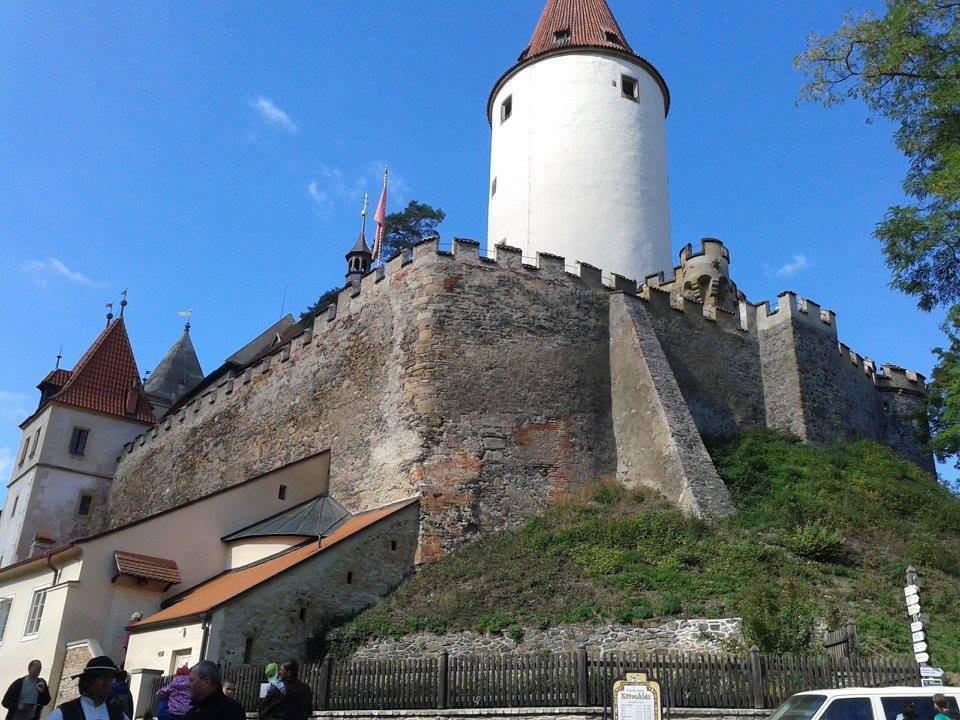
59	357
187	314
363	215
109	307
123	300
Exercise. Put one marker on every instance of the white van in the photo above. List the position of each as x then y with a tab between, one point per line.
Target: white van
857	703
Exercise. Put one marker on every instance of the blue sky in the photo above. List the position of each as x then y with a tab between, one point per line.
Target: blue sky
212	156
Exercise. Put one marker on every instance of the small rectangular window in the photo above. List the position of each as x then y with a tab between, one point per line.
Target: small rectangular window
561	36
78	441
393	544
36	441
506	108
36	612
26	448
303	614
14	508
349	578
629	87
612	37
247	650
493	188
5	604
282	492
85	502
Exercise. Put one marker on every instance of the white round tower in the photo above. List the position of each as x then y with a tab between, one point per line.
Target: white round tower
578	161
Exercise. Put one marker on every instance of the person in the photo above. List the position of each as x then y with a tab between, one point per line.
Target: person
134	619
206	692
272	671
230	689
120	696
27	696
294	701
94	685
942	706
176	693
908	712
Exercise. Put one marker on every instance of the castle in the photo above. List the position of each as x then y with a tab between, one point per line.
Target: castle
444	395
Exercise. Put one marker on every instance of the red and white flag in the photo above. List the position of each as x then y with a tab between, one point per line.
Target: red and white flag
380	218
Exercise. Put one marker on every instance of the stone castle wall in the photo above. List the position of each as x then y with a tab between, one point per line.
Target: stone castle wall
485	387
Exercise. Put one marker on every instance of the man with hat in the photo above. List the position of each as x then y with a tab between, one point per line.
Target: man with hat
94	684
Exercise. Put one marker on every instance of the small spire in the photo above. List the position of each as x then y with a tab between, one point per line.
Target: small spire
363	216
123	300
59	358
109	307
187	314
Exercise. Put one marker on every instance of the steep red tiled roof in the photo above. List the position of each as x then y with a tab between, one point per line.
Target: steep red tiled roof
57	378
221	589
147	567
106	378
566	23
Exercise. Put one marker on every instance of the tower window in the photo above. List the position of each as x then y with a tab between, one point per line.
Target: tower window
561	36
612	37
349	578
85	502
629	87
36	441
36	612
393	544
78	441
26	447
493	188
247	650
303	614
282	493
14	508
506	108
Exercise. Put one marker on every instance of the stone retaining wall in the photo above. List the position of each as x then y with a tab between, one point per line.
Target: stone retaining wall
697	635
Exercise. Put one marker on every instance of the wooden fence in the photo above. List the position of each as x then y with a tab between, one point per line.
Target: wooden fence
724	680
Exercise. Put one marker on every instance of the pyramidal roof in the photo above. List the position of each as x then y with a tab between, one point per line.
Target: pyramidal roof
317	517
178	373
584	23
106	378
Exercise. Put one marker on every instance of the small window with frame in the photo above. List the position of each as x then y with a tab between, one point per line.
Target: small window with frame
78	441
506	109
85	504
493	187
282	492
562	36
629	87
36	612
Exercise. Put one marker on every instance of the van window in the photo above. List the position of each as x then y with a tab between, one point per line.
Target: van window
849	709
799	707
914	707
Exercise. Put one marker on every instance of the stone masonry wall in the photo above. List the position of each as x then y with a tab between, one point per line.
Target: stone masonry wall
271	613
697	635
77	655
717	365
485	387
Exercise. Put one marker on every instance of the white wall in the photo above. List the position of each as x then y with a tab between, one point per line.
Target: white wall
582	171
156	649
50	483
250	550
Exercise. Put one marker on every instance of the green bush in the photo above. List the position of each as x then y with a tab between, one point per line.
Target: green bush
776	620
816	541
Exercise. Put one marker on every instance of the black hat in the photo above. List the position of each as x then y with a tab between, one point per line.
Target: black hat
98	667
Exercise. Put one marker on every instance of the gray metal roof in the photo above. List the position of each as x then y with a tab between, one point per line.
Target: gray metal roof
177	374
317	517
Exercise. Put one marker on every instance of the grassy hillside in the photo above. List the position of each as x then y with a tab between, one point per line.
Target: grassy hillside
821	535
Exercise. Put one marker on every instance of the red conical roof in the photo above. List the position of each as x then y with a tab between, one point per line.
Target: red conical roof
565	26
566	23
106	378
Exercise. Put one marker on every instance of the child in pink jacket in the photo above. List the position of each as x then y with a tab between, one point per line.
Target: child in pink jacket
177	694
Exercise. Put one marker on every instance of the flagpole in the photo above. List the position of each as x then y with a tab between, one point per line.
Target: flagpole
380	217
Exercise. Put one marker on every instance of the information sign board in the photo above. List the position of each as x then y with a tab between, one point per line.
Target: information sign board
636	698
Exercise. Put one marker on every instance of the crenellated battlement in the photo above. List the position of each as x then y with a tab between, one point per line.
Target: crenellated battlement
660	293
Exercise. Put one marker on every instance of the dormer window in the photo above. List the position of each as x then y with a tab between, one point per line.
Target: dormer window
629	87
561	36
612	37
506	108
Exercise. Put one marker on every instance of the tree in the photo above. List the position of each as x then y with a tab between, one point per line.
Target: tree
404	229
905	66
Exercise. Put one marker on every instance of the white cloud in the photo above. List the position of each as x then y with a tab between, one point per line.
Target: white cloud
274	115
42	270
329	188
798	263
14	407
318	195
6	462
